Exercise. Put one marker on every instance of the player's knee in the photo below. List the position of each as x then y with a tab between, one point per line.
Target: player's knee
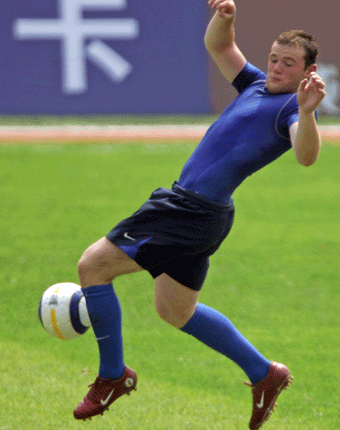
85	267
162	310
176	316
92	268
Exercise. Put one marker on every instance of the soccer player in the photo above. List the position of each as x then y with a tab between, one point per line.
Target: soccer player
173	234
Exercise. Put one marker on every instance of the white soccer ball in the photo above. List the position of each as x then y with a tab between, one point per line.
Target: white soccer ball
63	312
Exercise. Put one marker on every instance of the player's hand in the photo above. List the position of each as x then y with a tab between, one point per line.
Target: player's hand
310	93
226	8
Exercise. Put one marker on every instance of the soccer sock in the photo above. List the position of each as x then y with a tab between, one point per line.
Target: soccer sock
216	331
105	315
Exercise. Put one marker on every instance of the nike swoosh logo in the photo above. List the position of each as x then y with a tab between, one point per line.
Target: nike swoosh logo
128	237
102	338
260	405
106	401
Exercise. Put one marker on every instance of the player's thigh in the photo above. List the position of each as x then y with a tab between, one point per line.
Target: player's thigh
107	259
175	303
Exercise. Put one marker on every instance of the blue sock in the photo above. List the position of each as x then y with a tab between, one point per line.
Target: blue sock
105	314
216	331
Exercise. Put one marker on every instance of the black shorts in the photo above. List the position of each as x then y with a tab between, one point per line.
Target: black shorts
175	232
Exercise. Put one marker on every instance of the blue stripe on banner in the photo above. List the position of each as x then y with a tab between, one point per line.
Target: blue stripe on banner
74	312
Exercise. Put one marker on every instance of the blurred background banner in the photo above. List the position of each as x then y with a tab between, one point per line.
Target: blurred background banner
141	57
103	57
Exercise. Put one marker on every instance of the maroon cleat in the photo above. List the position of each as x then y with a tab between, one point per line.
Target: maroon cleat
266	391
104	392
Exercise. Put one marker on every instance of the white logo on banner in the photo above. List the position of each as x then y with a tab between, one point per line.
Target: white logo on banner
73	30
330	75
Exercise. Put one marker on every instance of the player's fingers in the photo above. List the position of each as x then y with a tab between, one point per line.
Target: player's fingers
214	3
303	84
313	76
319	82
219	4
225	3
320	85
223	13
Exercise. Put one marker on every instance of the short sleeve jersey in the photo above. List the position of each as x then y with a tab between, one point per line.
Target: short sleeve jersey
252	132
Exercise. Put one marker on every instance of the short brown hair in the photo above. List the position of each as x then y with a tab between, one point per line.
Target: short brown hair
303	39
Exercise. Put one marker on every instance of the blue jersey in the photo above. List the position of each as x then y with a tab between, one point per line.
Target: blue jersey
251	132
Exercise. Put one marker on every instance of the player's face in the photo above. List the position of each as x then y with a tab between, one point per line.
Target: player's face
286	68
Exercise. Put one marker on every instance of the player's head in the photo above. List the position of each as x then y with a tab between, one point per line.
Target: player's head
292	58
304	40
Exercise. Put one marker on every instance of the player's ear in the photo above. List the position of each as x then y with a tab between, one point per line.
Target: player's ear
310	69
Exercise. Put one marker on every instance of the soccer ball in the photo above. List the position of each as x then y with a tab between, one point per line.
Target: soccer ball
63	312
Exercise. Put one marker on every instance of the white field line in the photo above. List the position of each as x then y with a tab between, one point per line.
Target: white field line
71	132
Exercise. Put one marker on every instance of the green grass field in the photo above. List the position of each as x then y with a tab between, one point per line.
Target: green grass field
276	277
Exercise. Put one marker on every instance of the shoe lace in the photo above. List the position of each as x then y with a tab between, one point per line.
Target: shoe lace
94	393
99	381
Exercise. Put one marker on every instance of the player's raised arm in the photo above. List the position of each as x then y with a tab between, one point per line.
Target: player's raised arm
220	39
305	135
